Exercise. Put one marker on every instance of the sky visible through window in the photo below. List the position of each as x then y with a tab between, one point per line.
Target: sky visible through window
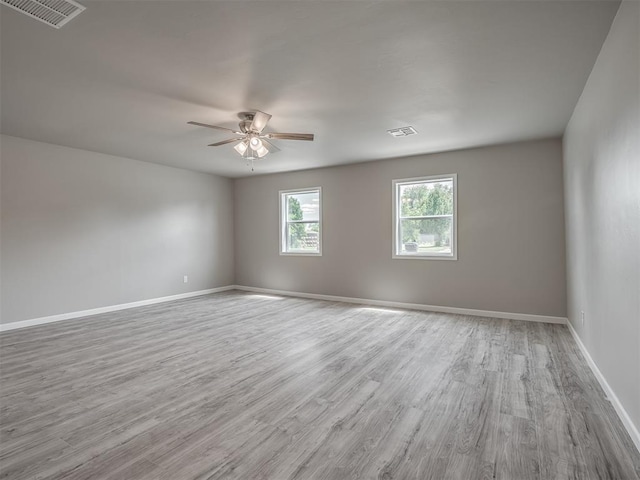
310	205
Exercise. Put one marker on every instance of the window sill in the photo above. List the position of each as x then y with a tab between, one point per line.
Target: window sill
424	257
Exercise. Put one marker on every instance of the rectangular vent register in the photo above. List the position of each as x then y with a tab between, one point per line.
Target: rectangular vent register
52	12
402	132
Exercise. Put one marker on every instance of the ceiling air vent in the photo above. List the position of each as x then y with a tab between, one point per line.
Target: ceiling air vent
52	12
402	132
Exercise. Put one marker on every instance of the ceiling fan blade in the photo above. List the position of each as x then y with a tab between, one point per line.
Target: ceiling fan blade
291	136
270	146
214	127
260	120
224	142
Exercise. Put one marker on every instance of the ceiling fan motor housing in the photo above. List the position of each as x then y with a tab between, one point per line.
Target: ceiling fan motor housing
246	121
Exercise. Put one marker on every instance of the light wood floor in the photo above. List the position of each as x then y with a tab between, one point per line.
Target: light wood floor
243	386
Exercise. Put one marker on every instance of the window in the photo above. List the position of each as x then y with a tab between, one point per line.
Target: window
424	217
301	222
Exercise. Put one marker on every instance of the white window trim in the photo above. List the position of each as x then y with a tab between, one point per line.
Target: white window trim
282	223
396	223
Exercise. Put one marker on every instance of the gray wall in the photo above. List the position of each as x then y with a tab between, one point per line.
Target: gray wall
510	232
602	194
82	230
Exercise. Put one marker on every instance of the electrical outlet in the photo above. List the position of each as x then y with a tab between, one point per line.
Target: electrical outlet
186	279
582	317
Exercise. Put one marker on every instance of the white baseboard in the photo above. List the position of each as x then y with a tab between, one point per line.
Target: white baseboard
362	301
617	405
111	308
410	306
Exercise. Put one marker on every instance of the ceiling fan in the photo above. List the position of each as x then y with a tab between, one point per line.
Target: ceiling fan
252	141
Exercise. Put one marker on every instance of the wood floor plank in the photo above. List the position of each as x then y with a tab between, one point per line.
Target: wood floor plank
242	386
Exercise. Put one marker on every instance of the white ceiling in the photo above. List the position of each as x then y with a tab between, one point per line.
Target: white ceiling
123	78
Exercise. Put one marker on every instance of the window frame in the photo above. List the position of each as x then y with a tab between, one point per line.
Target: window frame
284	223
396	184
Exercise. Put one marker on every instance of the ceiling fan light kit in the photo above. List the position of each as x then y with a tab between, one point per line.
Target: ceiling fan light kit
241	147
253	143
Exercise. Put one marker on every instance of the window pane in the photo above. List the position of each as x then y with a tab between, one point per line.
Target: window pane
429	198
303	206
433	235
303	237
